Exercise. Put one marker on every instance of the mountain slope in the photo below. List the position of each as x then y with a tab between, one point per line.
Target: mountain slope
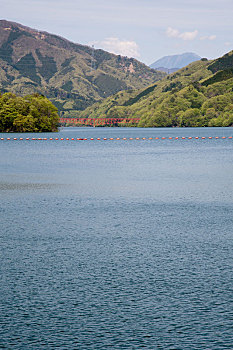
72	76
175	61
200	94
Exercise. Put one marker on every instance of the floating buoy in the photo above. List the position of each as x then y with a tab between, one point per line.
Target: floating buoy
118	138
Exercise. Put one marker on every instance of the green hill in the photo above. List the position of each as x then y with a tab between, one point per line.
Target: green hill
200	94
72	76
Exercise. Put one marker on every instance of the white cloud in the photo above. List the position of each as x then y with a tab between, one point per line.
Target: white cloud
208	37
188	35
174	33
119	47
212	37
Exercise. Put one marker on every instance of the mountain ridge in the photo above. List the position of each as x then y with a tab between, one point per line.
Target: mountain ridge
34	61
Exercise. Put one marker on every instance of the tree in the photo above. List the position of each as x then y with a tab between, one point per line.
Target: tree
30	113
190	117
219	103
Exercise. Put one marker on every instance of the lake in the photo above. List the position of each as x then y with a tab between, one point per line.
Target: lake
117	244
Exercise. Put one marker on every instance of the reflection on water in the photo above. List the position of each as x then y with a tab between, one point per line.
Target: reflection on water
117	245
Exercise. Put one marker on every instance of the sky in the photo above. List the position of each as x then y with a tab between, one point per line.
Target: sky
143	29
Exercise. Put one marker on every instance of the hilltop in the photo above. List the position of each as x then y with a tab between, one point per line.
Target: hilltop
72	76
200	94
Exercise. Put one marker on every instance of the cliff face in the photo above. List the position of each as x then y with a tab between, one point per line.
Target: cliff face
73	76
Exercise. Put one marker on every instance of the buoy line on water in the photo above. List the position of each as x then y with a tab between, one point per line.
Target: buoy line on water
112	138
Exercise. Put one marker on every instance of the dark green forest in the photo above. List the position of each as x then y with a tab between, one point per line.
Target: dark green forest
31	113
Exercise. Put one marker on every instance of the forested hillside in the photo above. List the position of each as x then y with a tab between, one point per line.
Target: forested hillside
200	94
72	76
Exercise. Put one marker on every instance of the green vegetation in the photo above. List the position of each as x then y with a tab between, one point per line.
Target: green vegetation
219	76
200	94
32	113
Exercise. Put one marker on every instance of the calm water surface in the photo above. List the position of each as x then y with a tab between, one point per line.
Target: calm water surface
117	244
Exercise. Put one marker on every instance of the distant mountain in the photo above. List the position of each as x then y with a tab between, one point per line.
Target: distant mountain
174	62
72	76
200	94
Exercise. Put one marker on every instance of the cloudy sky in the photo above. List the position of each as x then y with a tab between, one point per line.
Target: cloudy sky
144	29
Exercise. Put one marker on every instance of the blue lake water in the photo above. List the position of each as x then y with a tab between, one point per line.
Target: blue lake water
117	244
